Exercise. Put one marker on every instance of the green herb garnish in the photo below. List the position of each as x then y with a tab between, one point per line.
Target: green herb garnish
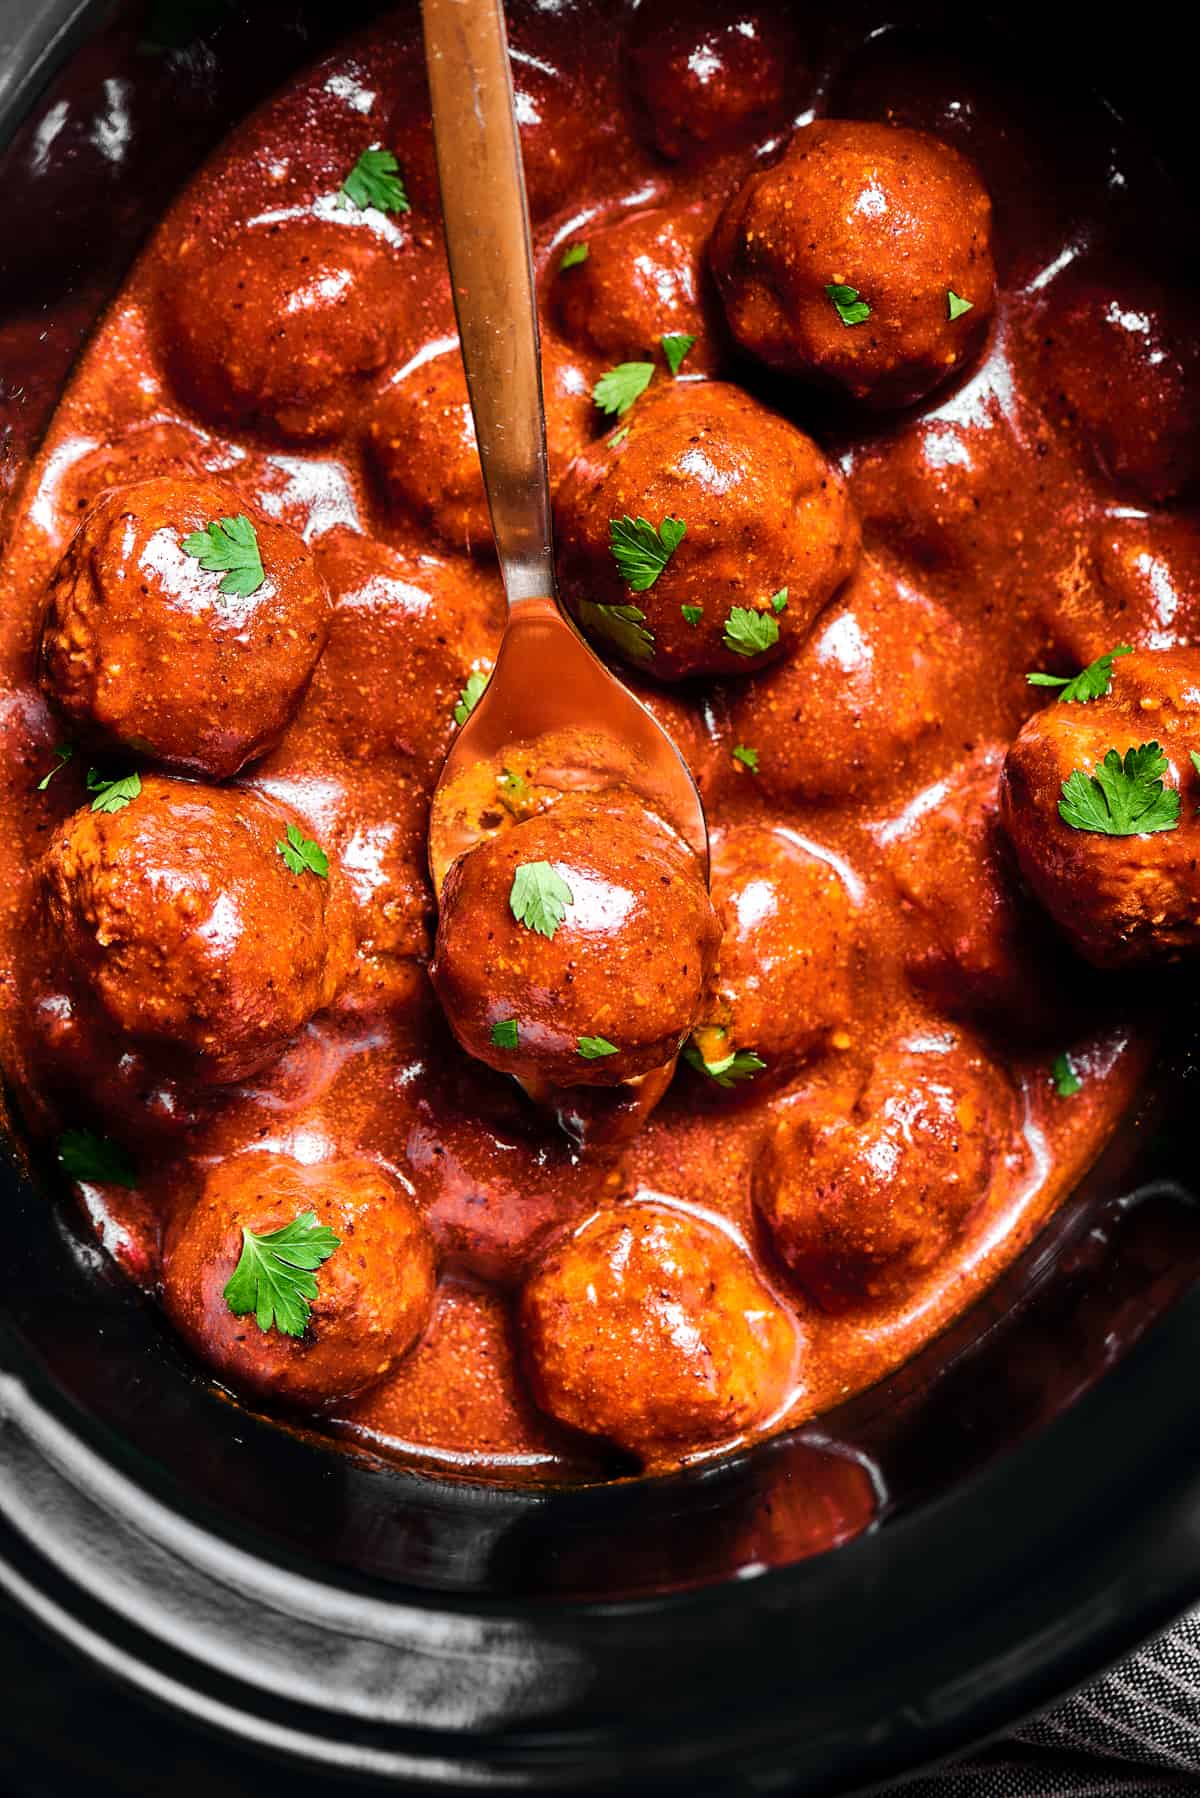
375	180
1123	798
750	633
743	1064
956	305
1092	682
692	614
62	756
616	391
1066	1081
229	546
302	855
779	600
595	1048
675	346
470	696
539	897
850	309
112	795
641	551
572	256
747	756
622	626
504	1034
275	1277
85	1156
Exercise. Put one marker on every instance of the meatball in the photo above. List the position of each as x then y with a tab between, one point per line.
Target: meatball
974	943
285	329
183	922
374	1291
142	649
862	1194
896	220
572	950
870	699
784	981
422	439
652	1328
769	537
712	77
1119	899
1137	582
1121	369
644	278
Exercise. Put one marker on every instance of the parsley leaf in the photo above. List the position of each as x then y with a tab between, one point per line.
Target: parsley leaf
595	1048
1195	760
229	544
675	346
617	390
956	305
750	633
640	551
622	626
1122	798
572	256
112	795
62	756
516	787
470	696
504	1034
275	1276
748	757
1092	682
85	1156
375	181
618	437
539	897
850	309
302	855
1066	1081
692	614
743	1064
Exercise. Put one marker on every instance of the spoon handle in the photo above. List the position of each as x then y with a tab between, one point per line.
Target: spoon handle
491	269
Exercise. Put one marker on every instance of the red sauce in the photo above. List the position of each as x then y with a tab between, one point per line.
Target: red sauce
1000	534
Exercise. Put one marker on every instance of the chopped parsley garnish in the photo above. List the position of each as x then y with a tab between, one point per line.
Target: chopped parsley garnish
1122	798
572	256
748	757
750	633
516	787
375	180
595	1048
849	308
779	600
539	897
62	755
112	795
692	614
743	1064
956	305
276	1278
229	546
1092	682
85	1156
1195	760
675	346
302	855
622	626
618	437
470	696
616	391
641	551
504	1034
1066	1081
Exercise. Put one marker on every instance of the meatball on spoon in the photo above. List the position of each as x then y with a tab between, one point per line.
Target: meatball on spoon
549	694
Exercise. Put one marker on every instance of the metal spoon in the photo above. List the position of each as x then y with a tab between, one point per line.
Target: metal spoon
549	695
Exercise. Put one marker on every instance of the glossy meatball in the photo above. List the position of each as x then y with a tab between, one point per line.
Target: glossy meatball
862	1194
181	919
422	439
784	983
625	964
141	649
1137	582
1119	365
653	1329
975	945
374	1291
1120	899
286	328
711	77
896	216
644	277
872	697
769	533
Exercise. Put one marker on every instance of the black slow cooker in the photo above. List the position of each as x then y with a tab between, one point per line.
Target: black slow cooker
946	1553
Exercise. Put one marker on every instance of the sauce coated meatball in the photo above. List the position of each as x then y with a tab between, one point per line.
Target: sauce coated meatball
896	216
1137	582
863	1193
422	439
141	648
872	696
653	1329
374	1292
284	330
644	277
1119	898
624	964
770	535
710	77
784	981
180	918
